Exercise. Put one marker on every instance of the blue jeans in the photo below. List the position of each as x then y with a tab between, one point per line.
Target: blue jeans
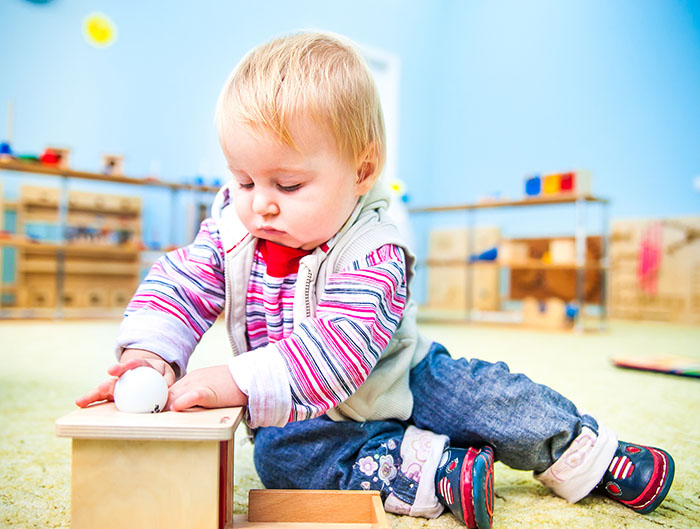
473	402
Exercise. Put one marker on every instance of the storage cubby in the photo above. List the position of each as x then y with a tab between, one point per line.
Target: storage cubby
474	273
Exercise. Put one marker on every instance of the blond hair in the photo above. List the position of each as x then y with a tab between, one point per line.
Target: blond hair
310	74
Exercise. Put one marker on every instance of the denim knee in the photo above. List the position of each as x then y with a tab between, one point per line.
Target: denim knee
477	402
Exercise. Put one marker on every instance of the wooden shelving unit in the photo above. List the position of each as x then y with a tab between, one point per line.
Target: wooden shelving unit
92	264
585	271
39	168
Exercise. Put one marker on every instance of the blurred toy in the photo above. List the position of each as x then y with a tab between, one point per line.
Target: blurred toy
56	156
533	185
571	311
649	258
572	182
399	211
5	150
49	157
552	313
670	365
489	255
29	158
113	164
566	182
551	184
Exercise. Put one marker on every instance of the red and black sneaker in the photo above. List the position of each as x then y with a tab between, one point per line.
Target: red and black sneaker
464	484
639	476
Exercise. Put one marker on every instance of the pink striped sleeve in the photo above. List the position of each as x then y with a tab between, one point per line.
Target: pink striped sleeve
187	283
331	355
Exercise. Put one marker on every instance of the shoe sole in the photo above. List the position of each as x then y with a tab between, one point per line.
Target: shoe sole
477	486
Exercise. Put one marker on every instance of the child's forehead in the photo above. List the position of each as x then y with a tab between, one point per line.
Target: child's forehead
303	133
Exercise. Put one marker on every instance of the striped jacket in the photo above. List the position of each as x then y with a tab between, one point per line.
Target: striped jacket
328	365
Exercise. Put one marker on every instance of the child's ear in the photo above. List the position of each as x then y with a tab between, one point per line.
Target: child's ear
366	172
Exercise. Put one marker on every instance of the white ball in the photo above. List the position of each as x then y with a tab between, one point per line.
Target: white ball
141	390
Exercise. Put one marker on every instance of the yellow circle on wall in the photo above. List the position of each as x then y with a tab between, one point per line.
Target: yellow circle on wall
99	30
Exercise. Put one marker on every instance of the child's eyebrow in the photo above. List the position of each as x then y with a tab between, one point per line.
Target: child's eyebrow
237	172
276	171
288	170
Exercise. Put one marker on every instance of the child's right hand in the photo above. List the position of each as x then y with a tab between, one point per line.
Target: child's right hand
130	359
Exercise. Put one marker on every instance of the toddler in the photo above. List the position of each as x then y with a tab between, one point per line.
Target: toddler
341	389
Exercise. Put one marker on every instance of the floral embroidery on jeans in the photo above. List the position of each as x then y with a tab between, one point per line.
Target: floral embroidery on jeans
382	468
387	469
368	466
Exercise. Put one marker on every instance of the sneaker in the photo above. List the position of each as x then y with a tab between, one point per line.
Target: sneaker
639	476
464	484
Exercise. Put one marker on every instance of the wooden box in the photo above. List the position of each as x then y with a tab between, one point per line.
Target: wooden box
175	470
562	251
655	269
33	196
454	243
170	469
513	252
447	286
550	314
313	509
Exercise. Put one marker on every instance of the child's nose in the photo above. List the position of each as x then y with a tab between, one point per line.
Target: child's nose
264	205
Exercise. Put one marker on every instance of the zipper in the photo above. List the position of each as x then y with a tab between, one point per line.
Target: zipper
307	292
229	304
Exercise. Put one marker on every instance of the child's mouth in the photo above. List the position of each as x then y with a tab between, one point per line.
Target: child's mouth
267	230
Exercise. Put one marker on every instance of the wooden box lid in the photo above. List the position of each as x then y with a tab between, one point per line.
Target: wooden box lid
104	421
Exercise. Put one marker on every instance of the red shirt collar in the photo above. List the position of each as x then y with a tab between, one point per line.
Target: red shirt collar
281	260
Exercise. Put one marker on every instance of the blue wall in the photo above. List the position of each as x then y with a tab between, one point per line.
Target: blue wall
490	91
547	85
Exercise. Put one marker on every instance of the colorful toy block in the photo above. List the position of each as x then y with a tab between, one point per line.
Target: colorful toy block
533	185
572	182
551	184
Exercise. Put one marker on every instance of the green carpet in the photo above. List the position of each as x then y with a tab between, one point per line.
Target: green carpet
45	365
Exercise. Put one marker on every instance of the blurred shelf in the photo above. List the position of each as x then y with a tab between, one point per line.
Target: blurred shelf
72	248
529	265
574	272
50	313
39	168
534	201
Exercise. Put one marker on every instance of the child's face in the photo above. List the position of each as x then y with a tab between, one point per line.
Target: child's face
297	198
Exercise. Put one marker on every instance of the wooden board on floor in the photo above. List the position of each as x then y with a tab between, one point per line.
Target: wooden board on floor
310	509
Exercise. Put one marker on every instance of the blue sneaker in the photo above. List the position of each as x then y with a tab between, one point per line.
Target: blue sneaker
639	476
464	484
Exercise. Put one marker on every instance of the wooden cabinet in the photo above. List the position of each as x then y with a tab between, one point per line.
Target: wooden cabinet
97	263
473	273
76	252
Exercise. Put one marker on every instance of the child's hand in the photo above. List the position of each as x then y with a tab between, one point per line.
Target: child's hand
209	387
130	359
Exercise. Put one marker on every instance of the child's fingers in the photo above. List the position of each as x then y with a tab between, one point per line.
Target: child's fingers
203	397
105	391
161	366
118	370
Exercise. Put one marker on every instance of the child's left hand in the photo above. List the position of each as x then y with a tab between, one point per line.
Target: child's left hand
209	387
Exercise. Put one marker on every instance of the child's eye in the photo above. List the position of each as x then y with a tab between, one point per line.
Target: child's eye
246	186
289	189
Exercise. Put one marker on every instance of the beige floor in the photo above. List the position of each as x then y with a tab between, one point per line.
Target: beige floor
45	365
